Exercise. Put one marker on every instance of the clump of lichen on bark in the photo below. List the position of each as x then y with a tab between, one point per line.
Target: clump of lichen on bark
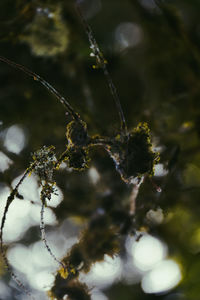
133	154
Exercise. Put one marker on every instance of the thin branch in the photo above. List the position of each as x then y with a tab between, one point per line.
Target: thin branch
43	236
101	62
9	201
43	82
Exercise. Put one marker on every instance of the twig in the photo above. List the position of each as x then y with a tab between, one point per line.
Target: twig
101	62
43	82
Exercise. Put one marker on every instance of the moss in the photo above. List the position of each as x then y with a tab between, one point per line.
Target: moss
99	233
105	242
73	289
75	258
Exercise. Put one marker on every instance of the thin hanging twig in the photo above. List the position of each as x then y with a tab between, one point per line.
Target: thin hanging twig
8	203
43	236
101	62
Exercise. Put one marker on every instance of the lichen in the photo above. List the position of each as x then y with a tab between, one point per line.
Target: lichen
133	154
77	133
44	161
47	34
77	158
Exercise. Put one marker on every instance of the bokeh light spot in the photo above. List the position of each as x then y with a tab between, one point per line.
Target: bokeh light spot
165	276
147	252
15	139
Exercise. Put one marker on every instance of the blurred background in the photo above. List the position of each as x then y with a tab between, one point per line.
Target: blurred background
153	54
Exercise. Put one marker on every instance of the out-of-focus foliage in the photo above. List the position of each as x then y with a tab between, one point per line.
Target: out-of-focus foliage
158	81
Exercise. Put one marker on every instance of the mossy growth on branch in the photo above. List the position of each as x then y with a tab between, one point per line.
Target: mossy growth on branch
100	233
133	154
77	134
73	289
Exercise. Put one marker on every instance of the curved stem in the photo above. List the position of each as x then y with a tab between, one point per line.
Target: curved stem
43	236
101	61
8	203
43	82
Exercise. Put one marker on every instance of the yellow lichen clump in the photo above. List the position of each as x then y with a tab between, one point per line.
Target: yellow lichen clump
47	34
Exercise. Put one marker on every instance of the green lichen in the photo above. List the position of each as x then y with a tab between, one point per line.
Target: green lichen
47	34
44	161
